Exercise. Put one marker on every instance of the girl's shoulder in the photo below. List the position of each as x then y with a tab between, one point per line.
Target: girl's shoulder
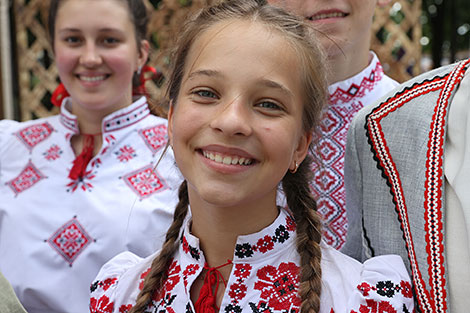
118	283
382	281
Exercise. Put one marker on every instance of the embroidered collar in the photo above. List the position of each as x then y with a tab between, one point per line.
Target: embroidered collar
357	86
249	248
117	120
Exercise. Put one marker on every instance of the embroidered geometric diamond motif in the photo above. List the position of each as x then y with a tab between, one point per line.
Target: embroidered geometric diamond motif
34	134
28	177
70	240
154	137
145	182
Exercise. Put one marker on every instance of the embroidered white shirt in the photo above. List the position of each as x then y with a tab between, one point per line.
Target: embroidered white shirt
264	278
347	97
56	233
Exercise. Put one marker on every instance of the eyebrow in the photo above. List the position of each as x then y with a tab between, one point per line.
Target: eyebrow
272	84
77	30
208	73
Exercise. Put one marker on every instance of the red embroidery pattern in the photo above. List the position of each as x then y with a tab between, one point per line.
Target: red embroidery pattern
237	290
367	84
28	177
154	137
433	196
145	182
436	302
34	134
125	308
70	240
328	182
142	277
386	289
101	305
190	270
162	302
265	244
53	153
376	307
279	287
125	153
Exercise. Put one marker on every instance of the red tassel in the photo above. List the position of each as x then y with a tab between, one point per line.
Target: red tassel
81	161
205	303
147	73
59	94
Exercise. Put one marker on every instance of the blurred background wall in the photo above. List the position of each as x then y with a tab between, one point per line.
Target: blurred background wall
409	36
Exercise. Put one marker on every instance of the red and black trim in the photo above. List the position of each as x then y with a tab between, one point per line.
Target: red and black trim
434	300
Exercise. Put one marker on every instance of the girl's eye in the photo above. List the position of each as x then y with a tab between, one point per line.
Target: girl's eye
205	94
269	105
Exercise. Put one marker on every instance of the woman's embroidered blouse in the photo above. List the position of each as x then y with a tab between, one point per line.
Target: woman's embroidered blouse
55	232
264	278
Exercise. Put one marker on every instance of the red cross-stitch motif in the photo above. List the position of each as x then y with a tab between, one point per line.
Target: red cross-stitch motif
125	153
34	134
145	182
28	177
70	240
53	153
101	305
375	307
154	137
279	286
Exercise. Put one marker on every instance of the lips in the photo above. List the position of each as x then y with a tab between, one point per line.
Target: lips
92	78
327	15
227	159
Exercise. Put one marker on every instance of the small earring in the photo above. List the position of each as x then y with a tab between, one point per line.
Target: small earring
295	169
139	70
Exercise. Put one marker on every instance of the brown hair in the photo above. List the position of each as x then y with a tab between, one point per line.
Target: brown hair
295	185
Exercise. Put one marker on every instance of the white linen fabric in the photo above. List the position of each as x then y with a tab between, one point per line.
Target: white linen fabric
264	277
457	197
346	98
56	233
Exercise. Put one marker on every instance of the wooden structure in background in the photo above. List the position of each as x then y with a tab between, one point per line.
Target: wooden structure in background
396	41
396	33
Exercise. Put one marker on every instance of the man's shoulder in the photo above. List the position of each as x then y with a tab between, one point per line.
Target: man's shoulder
417	87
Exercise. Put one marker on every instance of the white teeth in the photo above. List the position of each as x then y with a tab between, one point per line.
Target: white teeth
92	78
328	15
234	160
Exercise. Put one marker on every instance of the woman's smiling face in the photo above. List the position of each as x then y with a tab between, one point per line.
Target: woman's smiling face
237	125
96	53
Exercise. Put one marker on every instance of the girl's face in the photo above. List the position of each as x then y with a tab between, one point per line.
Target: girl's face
96	53
237	125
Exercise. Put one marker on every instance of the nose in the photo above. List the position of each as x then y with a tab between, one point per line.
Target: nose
90	56
233	118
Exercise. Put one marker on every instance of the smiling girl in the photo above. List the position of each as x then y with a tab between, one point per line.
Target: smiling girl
69	183
246	92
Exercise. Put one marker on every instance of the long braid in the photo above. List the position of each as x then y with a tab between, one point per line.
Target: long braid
303	207
156	278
